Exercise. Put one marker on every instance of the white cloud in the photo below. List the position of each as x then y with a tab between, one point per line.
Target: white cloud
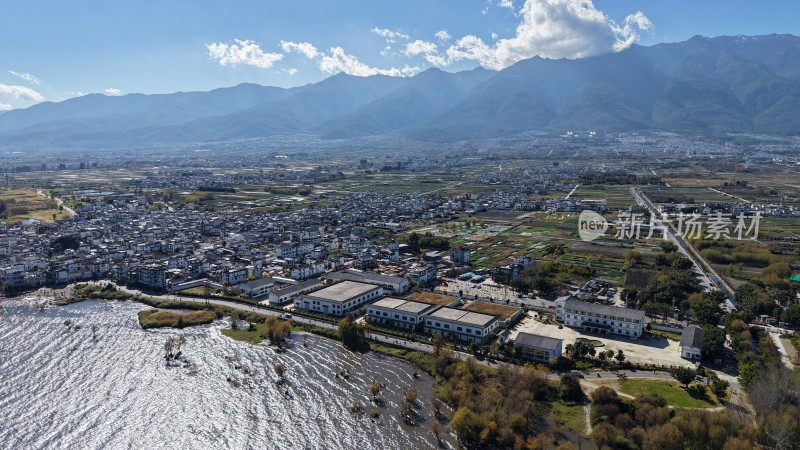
339	61
291	71
242	52
428	50
114	92
77	94
21	92
553	29
5	107
306	49
336	60
389	35
27	77
443	35
629	31
495	36
506	4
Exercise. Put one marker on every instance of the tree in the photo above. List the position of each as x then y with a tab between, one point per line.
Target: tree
411	395
620	357
713	341
438	341
437	407
747	373
720	388
280	369
375	389
633	257
279	330
570	388
751	298
668	247
682	263
352	333
172	347
468	426
705	310
684	375
436	427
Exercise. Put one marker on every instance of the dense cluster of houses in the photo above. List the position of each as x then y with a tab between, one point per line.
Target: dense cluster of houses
124	240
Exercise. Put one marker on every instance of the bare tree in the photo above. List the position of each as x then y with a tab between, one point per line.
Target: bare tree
375	390
280	369
437	407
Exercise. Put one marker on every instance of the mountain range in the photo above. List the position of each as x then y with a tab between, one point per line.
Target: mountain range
699	86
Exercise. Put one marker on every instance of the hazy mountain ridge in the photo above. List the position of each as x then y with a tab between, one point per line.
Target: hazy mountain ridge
702	85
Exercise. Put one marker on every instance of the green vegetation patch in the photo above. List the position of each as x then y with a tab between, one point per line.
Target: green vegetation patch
594	342
571	416
676	395
159	318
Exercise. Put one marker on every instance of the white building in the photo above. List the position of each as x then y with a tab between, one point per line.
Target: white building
462	325
398	313
390	284
341	298
287	294
257	288
691	346
538	348
598	318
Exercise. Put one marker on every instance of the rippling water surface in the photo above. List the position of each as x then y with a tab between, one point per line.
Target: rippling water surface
62	388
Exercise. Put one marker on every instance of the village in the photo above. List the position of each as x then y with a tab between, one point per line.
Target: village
346	259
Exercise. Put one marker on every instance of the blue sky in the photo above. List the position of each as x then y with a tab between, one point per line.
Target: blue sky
53	50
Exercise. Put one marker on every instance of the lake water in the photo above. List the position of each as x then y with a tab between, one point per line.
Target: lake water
62	388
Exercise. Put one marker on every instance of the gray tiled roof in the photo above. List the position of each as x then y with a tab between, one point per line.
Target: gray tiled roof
343	291
462	316
692	337
534	340
399	304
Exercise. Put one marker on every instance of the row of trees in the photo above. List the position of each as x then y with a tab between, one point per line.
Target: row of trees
427	240
546	276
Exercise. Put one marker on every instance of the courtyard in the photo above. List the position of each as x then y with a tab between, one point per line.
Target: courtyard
645	351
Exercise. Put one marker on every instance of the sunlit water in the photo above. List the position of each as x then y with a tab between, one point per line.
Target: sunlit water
62	388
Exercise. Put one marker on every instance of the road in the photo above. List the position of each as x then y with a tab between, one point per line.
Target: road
373	335
60	203
388	339
572	191
707	281
776	338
